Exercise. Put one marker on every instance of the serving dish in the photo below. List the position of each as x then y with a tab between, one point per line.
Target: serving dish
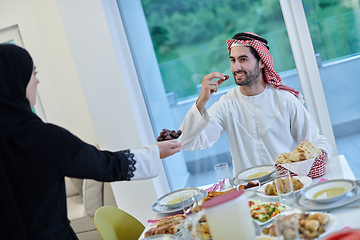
306	181
350	197
251	190
329	227
164	237
172	199
246	174
165	209
281	209
175	139
320	192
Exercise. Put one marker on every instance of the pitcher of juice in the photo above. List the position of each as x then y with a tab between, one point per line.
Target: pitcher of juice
228	217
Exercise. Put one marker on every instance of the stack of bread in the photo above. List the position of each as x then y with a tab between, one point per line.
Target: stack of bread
306	150
169	225
305	160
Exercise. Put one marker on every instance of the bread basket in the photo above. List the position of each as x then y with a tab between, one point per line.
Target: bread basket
317	169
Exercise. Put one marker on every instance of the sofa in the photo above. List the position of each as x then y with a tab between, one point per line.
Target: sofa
83	198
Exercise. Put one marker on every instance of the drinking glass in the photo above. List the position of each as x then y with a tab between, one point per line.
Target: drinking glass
188	203
284	188
223	176
286	227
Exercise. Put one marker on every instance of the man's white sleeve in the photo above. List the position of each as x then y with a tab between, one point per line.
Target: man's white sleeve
199	131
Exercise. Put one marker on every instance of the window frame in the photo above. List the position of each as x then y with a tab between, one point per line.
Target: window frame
296	25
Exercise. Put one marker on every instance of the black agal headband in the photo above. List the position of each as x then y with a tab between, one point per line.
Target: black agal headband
248	36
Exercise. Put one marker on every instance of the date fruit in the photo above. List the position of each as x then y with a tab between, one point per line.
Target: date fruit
167	134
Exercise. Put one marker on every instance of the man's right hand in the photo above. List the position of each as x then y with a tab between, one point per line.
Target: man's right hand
208	87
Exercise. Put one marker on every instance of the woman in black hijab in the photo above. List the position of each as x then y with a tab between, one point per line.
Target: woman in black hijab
35	156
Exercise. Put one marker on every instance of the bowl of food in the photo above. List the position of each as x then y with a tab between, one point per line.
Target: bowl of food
172	199
164	237
250	187
261	173
169	135
328	191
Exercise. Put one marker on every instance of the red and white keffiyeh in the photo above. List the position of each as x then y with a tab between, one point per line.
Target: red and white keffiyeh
271	76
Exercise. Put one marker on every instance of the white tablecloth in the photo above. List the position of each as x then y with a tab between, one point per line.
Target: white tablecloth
336	168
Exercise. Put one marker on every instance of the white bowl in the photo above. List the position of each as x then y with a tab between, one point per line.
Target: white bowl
310	191
175	139
243	175
252	190
165	237
306	181
175	195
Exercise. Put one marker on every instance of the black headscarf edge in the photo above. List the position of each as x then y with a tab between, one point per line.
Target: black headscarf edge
248	36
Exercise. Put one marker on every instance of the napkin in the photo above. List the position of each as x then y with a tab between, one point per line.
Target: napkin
322	180
346	228
301	168
155	220
210	188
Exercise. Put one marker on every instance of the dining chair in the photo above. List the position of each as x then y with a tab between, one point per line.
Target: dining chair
113	223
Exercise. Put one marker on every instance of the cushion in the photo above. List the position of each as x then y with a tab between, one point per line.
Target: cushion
92	196
75	207
78	184
70	188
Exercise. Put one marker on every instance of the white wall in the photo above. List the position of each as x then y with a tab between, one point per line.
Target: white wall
43	36
81	85
106	93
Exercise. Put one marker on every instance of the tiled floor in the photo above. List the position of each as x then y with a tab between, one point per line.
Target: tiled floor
348	146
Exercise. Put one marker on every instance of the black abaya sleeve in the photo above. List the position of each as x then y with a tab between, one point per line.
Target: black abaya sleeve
102	166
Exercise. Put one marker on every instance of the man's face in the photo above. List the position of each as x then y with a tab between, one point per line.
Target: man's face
245	67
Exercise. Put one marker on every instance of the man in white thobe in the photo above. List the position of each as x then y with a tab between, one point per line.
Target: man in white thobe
261	116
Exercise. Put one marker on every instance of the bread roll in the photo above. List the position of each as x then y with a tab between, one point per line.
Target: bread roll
312	224
150	232
305	150
270	190
282	158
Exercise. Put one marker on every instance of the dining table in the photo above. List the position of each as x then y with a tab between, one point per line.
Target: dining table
347	216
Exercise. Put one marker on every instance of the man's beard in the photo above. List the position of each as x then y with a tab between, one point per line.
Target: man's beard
251	77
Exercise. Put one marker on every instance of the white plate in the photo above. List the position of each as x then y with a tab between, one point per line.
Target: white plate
304	203
175	140
329	227
348	185
241	176
164	209
304	179
249	191
164	237
265	237
287	208
165	199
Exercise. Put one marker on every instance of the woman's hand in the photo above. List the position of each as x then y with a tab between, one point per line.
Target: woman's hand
167	148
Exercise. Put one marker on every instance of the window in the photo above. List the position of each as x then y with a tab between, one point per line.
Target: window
334	29
175	44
